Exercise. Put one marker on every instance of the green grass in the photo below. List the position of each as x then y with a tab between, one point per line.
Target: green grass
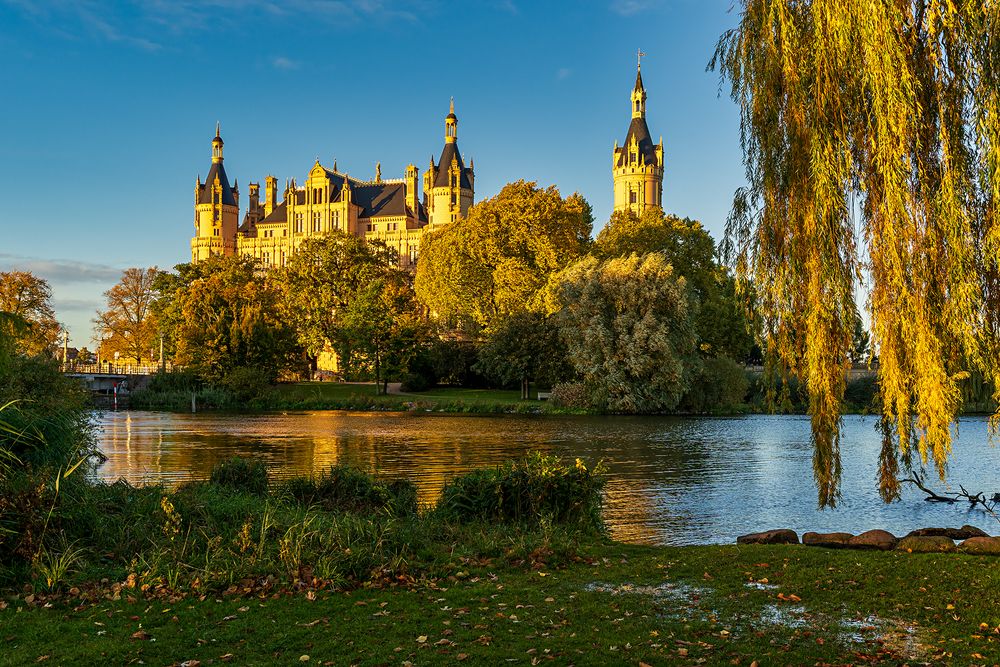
622	605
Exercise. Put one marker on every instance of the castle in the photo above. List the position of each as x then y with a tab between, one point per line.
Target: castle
638	164
397	212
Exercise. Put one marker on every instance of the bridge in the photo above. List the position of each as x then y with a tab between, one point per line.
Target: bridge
111	378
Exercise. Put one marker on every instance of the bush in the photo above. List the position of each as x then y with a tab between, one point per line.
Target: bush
860	394
530	491
344	488
245	385
719	387
242	474
571	395
416	382
185	381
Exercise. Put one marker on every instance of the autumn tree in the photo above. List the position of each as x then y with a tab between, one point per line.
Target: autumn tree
229	320
523	348
493	262
322	279
720	318
30	322
128	324
628	329
871	136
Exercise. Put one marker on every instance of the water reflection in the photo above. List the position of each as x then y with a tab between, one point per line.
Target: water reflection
672	480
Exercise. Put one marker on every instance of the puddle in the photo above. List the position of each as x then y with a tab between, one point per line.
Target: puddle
664	591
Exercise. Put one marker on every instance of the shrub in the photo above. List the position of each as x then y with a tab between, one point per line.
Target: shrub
720	386
530	491
860	394
572	395
242	474
344	488
185	381
245	385
416	382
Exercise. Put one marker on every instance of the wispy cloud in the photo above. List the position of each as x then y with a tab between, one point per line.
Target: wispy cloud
61	270
632	7
141	24
508	6
283	63
563	73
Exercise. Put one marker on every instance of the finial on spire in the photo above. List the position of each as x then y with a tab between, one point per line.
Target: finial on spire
378	172
335	164
639	54
218	129
451	108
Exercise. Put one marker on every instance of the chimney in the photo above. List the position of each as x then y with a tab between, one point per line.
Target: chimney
270	194
412	189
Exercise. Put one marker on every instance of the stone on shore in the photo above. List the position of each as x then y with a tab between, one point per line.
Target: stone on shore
783	536
963	533
829	540
926	544
984	546
873	539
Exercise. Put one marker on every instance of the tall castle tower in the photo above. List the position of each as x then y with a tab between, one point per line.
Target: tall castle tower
638	164
216	210
449	186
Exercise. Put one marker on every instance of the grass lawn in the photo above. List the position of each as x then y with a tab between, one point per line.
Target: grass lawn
778	605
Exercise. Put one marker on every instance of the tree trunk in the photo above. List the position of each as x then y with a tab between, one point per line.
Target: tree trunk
524	388
378	374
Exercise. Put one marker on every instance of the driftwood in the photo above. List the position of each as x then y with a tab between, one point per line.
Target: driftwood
974	500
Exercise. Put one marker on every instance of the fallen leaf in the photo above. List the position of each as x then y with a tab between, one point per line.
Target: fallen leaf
140	635
422	639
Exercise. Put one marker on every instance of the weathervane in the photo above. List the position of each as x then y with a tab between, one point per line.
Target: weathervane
639	54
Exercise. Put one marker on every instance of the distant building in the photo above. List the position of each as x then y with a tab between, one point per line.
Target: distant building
396	211
638	163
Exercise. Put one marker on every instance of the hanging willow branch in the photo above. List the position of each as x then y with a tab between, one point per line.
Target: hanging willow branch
871	137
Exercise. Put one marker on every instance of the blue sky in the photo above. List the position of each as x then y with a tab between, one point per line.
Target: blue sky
109	110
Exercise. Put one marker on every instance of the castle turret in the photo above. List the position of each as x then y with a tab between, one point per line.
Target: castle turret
638	164
448	186
216	210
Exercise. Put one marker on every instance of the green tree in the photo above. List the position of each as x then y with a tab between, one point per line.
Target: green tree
522	348
322	279
383	327
493	262
627	325
871	137
128	324
31	323
230	319
720	319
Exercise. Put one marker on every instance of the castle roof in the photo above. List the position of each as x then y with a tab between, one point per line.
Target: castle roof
444	164
279	213
638	81
205	196
639	131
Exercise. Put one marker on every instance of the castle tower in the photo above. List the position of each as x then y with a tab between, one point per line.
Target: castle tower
449	186
638	164
216	210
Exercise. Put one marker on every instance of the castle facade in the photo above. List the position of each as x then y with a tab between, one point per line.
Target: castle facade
396	211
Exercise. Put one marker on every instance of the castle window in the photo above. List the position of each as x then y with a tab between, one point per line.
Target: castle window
298	223
336	219
216	231
632	197
316	222
637	105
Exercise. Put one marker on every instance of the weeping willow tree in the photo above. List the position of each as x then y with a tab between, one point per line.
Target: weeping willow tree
871	136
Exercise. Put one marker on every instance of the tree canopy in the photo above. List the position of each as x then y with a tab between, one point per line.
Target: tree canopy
29	322
228	318
495	261
626	323
871	135
128	324
720	319
322	279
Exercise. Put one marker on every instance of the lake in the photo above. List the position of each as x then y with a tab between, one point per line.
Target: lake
671	480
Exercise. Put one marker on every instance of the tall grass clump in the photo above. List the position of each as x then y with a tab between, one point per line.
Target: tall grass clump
241	474
530	491
343	488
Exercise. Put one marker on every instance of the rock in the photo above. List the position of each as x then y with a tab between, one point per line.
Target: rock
783	536
926	544
830	540
873	539
984	546
963	533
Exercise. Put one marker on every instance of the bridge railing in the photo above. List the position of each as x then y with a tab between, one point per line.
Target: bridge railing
111	368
